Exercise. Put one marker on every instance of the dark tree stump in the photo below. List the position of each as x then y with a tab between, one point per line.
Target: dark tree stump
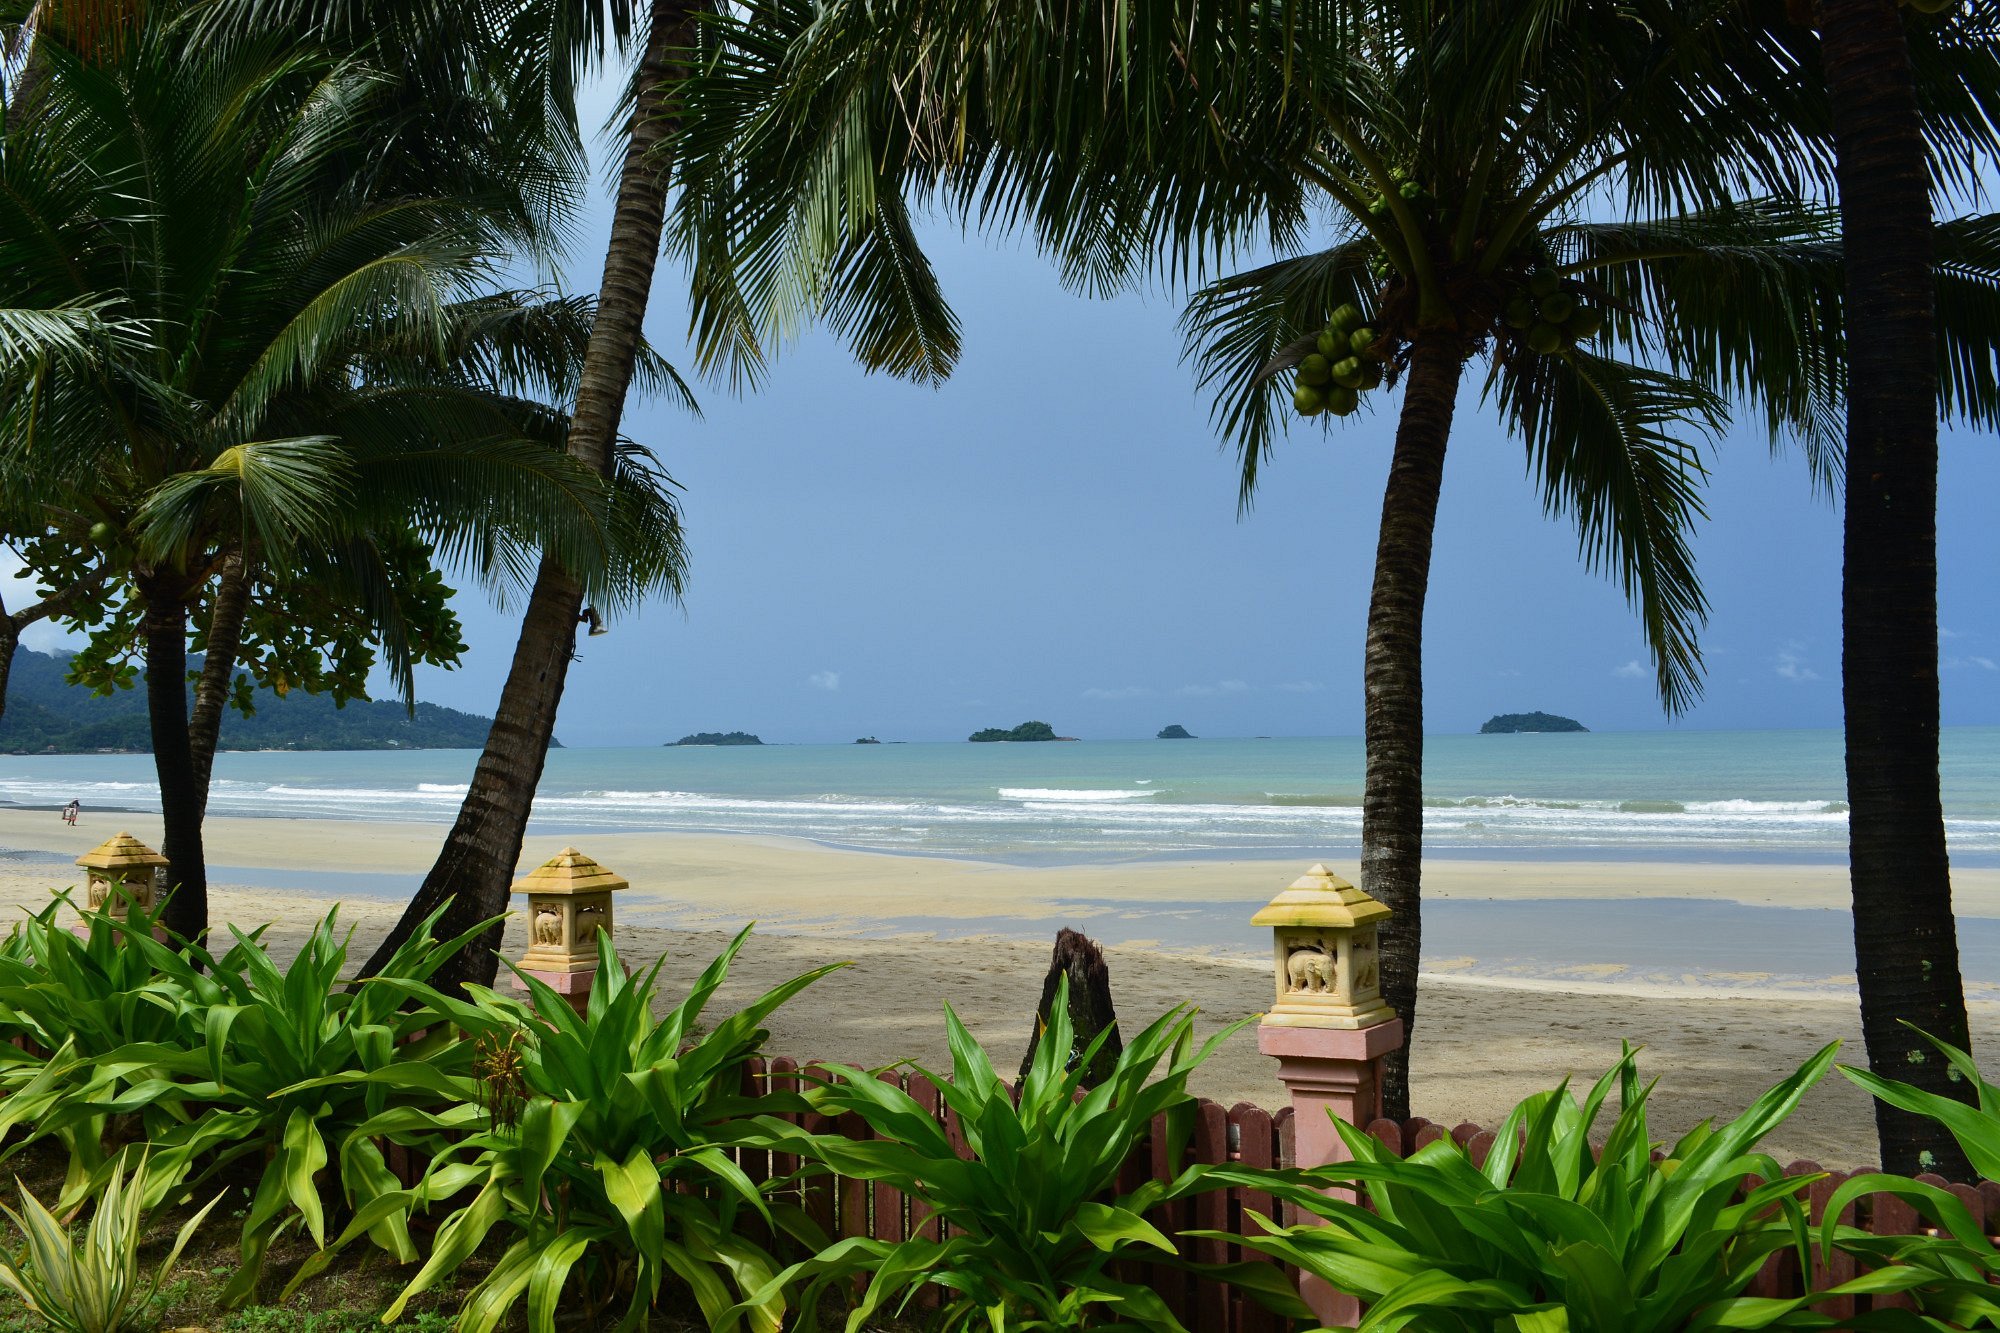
1090	1011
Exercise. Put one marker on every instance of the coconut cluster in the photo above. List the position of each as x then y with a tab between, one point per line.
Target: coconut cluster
1344	364
1549	318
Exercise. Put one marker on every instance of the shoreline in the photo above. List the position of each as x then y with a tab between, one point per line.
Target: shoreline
1483	1039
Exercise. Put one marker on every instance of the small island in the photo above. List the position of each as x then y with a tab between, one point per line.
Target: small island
718	738
1507	723
1027	731
866	740
1174	732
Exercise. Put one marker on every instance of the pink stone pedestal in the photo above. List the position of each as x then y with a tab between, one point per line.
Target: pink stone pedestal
1330	1072
572	986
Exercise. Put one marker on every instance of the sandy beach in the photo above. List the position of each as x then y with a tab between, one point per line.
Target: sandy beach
920	931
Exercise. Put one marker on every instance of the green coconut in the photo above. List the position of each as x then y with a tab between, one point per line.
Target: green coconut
1361	340
1341	401
1520	313
1543	282
1545	338
1347	372
1410	190
1346	319
1313	370
1328	343
1586	323
1309	401
1379	206
1371	375
1557	308
102	533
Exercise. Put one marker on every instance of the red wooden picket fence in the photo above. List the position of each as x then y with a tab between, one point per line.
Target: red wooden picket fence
1251	1136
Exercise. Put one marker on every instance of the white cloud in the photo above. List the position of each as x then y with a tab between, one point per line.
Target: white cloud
1629	671
1791	666
1220	687
1944	633
1983	663
824	680
1121	692
1301	687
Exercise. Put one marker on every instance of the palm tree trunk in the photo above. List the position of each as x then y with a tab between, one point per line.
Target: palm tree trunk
1905	939
474	870
164	629
218	668
1392	801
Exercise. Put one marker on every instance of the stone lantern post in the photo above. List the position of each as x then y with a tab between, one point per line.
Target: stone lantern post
569	902
1329	1027
121	872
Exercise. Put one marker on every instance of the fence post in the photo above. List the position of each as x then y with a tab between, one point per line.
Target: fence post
569	902
1328	1029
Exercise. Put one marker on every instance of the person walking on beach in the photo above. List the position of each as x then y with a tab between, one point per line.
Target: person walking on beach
71	811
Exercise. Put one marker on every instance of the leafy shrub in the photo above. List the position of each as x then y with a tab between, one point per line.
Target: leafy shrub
79	1001
94	1287
1548	1235
612	1167
1035	1223
244	1062
1950	1275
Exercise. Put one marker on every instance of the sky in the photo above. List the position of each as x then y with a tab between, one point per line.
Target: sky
1053	535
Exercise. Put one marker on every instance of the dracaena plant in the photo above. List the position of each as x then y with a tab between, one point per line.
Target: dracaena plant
1035	1227
277	1065
602	1156
95	1285
1949	1274
77	1000
1550	1234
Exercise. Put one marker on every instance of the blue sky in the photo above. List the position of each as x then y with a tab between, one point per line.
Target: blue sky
1054	535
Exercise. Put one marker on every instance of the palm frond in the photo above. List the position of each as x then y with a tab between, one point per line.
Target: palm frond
1614	445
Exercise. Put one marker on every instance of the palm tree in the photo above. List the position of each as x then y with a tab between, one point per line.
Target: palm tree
471	877
1452	150
288	406
1905	937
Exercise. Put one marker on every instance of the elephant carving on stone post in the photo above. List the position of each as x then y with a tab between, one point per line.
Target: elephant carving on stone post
1310	970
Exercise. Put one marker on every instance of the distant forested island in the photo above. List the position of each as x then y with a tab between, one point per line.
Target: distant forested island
1511	722
1027	731
1174	731
48	715
718	738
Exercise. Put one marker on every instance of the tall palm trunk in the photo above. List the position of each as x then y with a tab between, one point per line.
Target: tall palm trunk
164	629
1392	801
474	869
1905	940
218	668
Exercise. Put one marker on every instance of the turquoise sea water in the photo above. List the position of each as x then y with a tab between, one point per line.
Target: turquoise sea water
1659	795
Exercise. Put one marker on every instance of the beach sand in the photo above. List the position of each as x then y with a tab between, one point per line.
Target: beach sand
1482	1041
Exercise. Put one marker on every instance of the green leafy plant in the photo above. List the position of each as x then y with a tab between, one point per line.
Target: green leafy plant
287	1066
1550	1235
1034	1220
1949	1275
611	1165
95	1286
77	1001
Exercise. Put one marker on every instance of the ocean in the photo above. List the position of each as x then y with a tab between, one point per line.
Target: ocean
1670	795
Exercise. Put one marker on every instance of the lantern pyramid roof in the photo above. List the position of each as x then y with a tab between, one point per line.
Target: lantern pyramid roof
570	871
123	852
1320	898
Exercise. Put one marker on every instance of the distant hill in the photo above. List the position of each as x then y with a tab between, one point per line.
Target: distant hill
47	715
1174	731
718	738
1505	723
